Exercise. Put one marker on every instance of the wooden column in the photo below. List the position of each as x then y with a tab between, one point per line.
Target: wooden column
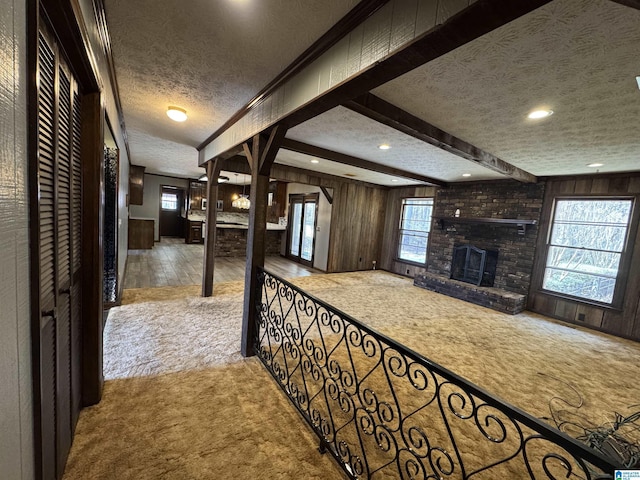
213	170
261	155
92	249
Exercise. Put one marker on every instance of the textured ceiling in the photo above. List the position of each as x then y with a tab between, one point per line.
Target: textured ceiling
300	160
577	57
208	57
348	132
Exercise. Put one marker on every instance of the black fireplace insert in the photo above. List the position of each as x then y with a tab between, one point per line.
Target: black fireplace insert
474	265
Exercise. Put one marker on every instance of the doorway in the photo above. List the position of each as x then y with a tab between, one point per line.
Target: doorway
301	227
171	210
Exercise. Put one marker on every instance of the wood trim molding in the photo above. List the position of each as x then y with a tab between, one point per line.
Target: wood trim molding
72	34
355	17
388	114
101	20
92	248
327	195
312	150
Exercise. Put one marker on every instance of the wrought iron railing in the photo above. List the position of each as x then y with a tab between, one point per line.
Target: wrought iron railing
384	411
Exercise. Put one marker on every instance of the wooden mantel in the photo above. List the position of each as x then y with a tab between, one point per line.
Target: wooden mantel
520	223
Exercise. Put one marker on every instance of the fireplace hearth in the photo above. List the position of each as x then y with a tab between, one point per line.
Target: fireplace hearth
474	265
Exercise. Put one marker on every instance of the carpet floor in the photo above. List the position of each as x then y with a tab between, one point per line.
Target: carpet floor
180	402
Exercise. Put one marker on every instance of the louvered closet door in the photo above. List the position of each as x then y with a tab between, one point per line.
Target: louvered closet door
63	324
47	214
76	257
60	237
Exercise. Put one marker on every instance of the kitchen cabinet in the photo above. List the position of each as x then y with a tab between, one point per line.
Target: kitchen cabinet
194	232
136	184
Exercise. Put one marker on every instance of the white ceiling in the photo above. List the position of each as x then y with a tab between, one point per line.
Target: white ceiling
577	57
208	57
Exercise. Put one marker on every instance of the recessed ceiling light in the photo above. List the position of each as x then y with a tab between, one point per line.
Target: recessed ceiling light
394	179
466	174
595	165
177	114
384	146
538	114
315	161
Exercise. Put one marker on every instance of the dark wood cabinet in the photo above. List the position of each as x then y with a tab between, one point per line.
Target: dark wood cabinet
136	184
194	232
197	192
141	233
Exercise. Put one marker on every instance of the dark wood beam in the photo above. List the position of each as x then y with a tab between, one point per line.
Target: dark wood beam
327	195
351	20
271	149
286	173
92	247
384	112
629	3
476	20
312	150
213	171
256	236
246	147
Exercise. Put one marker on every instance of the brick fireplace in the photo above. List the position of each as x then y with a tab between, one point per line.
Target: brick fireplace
516	244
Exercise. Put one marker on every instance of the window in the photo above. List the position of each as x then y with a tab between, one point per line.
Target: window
415	224
169	201
588	237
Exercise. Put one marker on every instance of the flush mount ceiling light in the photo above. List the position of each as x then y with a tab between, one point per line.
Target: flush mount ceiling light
466	174
222	179
384	146
177	114
595	165
538	114
203	178
315	161
394	180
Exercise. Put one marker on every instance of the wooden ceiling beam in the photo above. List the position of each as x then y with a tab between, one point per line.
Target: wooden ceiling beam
388	114
478	19
363	10
629	3
338	157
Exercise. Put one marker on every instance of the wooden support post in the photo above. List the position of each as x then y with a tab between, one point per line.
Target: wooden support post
261	157
213	170
92	249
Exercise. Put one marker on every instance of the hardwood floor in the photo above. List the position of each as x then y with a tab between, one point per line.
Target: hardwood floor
172	262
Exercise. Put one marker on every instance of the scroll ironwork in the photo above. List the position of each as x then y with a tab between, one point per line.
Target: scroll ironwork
385	411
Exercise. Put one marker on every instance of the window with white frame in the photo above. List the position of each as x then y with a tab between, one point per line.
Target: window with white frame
415	225
585	246
169	201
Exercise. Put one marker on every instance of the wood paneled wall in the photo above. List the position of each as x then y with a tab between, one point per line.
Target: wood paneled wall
388	259
624	322
357	225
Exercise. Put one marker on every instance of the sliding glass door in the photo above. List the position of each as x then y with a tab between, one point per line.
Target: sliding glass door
303	217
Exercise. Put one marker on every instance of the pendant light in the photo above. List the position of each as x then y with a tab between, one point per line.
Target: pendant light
242	202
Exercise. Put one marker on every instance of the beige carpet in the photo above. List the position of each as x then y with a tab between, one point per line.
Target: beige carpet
180	402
